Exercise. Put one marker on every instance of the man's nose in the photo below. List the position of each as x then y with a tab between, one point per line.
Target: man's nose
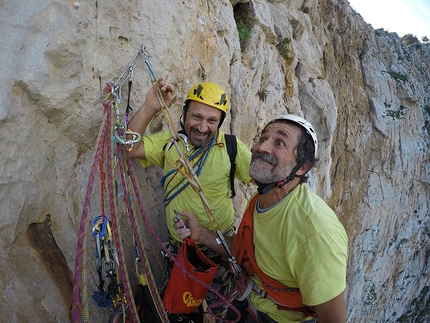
264	147
202	126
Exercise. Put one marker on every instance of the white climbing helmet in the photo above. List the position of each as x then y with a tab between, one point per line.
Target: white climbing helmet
304	124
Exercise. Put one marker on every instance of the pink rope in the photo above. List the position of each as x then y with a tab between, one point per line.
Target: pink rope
141	250
117	240
78	304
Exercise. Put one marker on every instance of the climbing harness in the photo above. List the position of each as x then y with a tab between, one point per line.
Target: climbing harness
115	292
286	298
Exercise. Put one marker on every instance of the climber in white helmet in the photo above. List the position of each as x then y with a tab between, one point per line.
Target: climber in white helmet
290	243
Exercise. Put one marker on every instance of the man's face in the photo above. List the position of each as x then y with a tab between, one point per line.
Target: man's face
201	123
273	158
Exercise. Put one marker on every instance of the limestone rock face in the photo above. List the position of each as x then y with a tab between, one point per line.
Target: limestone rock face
364	90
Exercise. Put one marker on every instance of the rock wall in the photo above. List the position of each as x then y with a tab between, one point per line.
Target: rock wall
365	91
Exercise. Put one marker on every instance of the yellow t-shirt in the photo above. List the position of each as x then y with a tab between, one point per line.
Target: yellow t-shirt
300	243
214	179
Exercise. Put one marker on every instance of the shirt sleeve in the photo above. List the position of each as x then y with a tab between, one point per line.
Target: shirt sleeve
243	161
154	148
321	267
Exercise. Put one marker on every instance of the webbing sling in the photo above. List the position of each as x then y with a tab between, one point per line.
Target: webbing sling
231	143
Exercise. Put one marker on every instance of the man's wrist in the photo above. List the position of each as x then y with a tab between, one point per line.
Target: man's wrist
147	108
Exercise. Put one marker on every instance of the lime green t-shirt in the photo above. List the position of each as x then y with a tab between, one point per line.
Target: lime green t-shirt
300	243
214	179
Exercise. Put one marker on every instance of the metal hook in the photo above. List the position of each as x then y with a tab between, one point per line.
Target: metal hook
109	266
121	135
185	141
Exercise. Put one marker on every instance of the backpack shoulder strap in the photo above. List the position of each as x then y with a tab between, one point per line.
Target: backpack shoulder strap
231	143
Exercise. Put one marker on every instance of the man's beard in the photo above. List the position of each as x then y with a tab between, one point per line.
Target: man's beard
261	171
200	142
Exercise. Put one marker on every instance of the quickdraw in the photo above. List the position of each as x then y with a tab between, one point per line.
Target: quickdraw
110	259
114	90
112	296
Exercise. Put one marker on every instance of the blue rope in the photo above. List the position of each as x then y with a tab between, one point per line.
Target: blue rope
163	179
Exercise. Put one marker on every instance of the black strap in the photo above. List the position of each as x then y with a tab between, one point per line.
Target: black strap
302	162
231	143
264	188
128	109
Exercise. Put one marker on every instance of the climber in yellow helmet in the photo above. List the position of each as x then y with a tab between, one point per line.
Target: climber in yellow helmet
204	111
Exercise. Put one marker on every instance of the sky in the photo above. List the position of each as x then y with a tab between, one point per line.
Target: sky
400	16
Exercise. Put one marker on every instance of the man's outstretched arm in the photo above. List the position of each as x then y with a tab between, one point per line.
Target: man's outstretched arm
144	115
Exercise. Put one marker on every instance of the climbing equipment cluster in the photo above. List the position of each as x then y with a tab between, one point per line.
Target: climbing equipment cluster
113	164
110	296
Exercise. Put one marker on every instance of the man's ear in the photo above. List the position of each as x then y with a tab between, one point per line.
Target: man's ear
304	169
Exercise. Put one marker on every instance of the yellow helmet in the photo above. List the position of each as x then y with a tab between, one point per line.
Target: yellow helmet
210	94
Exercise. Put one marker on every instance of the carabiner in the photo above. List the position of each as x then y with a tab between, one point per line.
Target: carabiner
185	141
130	73
121	135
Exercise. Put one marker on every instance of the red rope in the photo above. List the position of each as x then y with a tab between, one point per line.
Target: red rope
140	244
81	305
117	240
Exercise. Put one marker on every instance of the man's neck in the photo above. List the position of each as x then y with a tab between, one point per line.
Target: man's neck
276	194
